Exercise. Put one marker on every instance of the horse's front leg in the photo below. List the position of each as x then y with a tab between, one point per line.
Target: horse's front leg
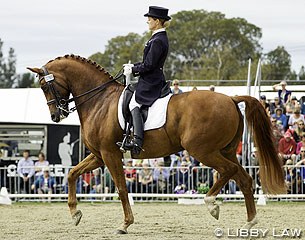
90	163
113	161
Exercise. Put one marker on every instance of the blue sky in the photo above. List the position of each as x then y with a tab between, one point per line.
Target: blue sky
42	30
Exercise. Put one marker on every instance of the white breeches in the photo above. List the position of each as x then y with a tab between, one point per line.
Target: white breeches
133	103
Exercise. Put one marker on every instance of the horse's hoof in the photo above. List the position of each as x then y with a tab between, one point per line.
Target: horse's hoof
77	216
250	224
214	211
119	231
213	207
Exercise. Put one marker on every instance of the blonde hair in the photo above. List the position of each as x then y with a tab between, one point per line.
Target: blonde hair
175	81
164	23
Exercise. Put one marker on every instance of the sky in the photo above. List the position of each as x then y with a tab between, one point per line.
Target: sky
43	30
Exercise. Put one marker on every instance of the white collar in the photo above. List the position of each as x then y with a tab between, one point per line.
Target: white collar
158	30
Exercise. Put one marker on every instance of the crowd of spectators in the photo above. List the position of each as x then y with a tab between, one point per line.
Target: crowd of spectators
287	120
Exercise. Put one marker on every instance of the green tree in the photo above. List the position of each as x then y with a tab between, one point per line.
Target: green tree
277	65
120	50
203	45
217	46
8	74
26	80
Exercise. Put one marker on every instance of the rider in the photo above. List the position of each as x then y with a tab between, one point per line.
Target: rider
150	70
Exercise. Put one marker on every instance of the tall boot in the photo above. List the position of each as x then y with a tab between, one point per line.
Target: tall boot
138	130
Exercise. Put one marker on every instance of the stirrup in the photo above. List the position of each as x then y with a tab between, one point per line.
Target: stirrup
125	145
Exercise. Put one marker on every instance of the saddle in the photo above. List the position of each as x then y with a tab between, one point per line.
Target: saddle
127	95
129	91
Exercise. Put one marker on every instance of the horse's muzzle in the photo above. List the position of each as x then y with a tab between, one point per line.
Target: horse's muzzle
55	117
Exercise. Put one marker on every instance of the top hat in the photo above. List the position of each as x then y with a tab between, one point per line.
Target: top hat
158	12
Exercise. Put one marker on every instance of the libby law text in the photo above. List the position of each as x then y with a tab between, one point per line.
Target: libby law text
258	233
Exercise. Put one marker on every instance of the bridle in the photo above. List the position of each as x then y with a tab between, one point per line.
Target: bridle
61	103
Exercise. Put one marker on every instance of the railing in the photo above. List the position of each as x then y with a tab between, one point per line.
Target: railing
142	183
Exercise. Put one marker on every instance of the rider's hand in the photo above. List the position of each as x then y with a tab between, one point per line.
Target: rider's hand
128	68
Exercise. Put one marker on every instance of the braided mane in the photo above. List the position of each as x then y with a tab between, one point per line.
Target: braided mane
85	61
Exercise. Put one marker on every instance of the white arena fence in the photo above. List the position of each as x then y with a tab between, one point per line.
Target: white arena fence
168	184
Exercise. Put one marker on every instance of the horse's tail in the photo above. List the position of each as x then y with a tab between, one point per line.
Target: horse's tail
270	167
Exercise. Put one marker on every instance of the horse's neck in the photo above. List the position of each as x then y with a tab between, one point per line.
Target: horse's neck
84	81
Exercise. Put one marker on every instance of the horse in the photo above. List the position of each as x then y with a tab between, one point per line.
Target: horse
207	124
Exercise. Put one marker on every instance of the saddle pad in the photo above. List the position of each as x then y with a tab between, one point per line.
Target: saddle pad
156	117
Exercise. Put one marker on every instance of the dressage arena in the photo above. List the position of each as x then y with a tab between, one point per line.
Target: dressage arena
152	221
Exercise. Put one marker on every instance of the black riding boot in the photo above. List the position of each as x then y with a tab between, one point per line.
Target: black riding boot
135	145
138	130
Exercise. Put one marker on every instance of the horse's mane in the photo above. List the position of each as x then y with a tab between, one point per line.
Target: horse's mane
85	61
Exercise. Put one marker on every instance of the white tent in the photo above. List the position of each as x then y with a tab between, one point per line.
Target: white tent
28	105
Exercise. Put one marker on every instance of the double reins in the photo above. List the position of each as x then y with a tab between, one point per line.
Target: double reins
63	104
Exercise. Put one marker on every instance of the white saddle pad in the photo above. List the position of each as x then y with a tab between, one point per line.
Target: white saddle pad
156	113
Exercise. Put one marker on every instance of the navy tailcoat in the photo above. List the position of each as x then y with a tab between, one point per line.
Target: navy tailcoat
150	70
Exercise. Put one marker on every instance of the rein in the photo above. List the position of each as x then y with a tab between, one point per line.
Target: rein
63	104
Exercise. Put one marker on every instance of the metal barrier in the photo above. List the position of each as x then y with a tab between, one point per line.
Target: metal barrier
160	183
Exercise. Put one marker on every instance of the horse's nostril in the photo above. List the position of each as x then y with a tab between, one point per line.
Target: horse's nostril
53	117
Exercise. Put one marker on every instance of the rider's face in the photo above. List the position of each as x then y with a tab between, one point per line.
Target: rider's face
152	23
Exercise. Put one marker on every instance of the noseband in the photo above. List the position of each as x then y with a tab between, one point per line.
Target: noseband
62	103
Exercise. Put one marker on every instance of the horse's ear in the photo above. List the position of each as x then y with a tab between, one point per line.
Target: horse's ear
35	70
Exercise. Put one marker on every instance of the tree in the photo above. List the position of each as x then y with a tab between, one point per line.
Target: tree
120	50
277	65
202	45
218	46
26	80
8	74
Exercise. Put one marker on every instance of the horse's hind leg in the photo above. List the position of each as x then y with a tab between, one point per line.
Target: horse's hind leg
226	170
89	163
245	183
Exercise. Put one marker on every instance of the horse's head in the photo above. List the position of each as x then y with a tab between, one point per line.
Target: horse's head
56	91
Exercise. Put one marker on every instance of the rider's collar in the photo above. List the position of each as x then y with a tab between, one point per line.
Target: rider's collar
158	30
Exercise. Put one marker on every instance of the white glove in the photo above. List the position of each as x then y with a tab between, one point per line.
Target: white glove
127	69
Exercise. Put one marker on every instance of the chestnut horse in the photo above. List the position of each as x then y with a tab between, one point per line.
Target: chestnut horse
208	125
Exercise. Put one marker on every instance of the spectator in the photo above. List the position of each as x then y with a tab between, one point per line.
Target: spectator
265	104
292	105
40	164
298	131
276	104
301	143
295	117
176	160
290	177
300	170
96	181
44	184
212	88
25	170
283	94
204	176
278	115
277	130
182	178
161	178
239	152
130	176
287	147
145	178
176	89
187	158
